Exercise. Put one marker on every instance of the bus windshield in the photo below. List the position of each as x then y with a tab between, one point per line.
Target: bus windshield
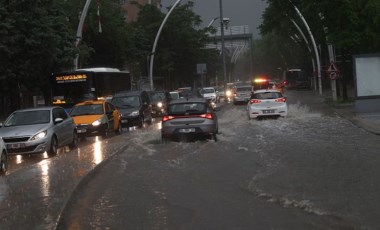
70	88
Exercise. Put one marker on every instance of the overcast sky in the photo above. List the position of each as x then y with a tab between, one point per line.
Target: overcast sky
240	12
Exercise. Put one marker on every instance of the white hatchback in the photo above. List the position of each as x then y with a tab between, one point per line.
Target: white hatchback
267	103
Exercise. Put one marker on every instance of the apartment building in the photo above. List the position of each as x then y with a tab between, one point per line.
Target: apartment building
131	8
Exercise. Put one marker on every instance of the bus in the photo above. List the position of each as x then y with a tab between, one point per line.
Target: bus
296	79
71	87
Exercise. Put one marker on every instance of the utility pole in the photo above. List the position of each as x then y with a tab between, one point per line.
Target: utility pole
222	40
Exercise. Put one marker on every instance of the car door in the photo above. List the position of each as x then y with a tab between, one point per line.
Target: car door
62	129
110	115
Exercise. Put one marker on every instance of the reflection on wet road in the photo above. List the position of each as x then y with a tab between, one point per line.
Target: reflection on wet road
17	162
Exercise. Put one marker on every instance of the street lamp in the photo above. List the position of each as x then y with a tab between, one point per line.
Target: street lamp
222	40
155	43
314	45
80	29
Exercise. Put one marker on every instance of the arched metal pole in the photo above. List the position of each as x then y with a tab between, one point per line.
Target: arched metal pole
308	47
314	45
155	43
80	30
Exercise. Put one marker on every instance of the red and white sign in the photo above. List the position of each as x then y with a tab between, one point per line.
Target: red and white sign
333	71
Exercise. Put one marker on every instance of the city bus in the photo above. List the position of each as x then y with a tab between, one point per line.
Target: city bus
296	79
71	87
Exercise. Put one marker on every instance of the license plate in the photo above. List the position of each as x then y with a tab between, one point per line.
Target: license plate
190	130
81	130
15	146
268	111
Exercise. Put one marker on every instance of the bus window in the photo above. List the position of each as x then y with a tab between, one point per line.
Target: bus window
69	88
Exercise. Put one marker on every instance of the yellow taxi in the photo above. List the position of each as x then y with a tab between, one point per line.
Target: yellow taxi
96	118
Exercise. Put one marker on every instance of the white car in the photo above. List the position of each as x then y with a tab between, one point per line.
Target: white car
209	93
3	158
267	103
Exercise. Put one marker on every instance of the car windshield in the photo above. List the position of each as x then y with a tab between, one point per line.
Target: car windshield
92	109
28	118
126	102
241	89
208	91
187	108
266	95
174	95
158	97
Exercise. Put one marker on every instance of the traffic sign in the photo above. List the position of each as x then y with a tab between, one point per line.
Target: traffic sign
333	71
332	67
334	75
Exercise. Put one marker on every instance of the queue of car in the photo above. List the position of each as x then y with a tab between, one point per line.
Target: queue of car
184	114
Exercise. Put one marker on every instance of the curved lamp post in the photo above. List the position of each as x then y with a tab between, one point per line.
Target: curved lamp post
155	43
80	29
314	45
308	47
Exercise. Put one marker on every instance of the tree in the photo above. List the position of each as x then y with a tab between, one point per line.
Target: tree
352	26
180	47
37	42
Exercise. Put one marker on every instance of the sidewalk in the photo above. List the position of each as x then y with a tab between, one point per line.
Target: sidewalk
367	121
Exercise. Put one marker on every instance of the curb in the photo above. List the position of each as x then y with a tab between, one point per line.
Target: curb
85	179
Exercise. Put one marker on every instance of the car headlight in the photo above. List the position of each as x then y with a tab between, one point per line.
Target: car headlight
96	123
39	136
135	113
159	104
228	93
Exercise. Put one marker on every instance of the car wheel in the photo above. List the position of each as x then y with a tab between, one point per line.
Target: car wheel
163	139
141	122
75	141
214	137
150	121
3	163
53	146
105	133
119	129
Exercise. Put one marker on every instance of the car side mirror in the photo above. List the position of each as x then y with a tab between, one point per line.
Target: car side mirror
58	120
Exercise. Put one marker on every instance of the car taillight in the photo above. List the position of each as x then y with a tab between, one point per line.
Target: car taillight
280	100
167	118
207	115
254	101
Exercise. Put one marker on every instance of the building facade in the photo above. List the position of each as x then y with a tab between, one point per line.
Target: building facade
132	10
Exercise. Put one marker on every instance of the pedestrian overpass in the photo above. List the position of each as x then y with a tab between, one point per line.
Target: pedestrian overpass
237	41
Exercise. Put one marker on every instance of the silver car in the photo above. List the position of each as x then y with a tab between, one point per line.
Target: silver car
38	130
242	94
189	118
3	158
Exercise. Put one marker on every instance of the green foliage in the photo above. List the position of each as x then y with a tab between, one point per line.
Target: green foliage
352	26
180	46
34	41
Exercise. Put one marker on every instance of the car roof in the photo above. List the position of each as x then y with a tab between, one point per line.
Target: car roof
187	100
38	108
129	93
267	91
90	102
